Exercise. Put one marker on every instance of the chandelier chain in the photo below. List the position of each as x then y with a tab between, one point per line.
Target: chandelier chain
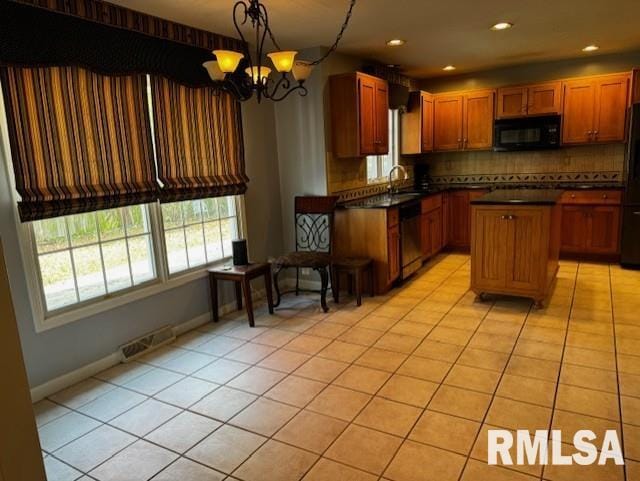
332	49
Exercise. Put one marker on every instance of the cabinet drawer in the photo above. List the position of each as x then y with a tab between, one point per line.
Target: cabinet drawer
392	217
431	202
598	197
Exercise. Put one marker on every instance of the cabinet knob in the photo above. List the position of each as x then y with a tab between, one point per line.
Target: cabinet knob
605	196
573	196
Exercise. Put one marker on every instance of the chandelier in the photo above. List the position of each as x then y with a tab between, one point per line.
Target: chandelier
244	75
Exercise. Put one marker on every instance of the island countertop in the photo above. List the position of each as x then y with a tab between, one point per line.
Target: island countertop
520	197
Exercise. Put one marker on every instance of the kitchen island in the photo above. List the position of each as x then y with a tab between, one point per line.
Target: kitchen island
515	243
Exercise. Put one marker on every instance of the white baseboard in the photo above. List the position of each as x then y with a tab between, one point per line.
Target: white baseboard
73	377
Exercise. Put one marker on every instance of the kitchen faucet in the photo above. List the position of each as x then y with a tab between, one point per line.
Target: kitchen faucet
390	188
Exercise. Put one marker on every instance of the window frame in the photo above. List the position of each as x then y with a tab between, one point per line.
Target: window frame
394	149
44	321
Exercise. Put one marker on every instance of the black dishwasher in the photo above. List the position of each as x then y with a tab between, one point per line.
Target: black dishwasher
410	251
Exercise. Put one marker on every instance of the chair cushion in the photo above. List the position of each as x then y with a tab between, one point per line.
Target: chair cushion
312	260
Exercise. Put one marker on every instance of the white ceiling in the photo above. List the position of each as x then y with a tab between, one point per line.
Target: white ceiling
438	32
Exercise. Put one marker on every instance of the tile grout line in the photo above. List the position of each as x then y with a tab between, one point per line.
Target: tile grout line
615	354
564	346
372	396
493	395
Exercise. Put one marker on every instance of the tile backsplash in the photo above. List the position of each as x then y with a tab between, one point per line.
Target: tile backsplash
592	161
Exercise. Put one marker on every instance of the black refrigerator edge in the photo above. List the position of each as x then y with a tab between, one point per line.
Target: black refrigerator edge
630	243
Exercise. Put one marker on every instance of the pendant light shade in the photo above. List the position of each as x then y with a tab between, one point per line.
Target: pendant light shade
283	61
258	74
301	70
214	71
228	60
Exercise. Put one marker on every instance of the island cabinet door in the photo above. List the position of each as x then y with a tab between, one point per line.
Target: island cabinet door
490	247
524	253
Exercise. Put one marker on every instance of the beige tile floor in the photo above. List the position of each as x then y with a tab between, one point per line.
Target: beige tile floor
403	388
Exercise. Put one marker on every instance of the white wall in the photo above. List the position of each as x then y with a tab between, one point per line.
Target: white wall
64	349
301	129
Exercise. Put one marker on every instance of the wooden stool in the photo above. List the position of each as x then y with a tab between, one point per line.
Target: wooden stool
241	276
355	268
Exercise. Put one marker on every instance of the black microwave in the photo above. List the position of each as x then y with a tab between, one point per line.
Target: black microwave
529	133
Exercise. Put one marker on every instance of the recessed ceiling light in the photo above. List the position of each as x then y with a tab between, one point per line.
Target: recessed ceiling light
448	68
502	26
590	48
395	42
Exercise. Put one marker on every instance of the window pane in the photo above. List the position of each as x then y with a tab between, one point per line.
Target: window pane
203	238
229	232
89	272
209	209
192	212
135	218
172	215
110	224
83	229
176	250
116	263
57	280
226	206
213	240
50	234
195	245
141	253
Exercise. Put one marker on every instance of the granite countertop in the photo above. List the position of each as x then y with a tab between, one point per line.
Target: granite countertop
385	201
520	197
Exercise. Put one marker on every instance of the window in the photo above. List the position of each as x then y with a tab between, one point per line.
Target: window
378	166
198	232
88	256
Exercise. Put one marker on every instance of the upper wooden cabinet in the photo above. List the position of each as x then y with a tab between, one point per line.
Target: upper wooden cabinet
526	100
359	115
464	121
417	124
595	109
447	122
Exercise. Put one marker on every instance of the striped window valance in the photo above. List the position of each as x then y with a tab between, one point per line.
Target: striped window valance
80	141
199	147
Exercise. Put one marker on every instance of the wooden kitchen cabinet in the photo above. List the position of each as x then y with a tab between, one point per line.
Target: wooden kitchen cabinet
458	219
431	226
595	109
591	223
464	121
431	233
373	233
417	124
447	122
527	100
359	115
514	250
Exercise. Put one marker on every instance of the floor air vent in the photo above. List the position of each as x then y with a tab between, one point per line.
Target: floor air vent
147	343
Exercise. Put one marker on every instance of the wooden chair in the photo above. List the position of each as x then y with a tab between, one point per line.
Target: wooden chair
314	235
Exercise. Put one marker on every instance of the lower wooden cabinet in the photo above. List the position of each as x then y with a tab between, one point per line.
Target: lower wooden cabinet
590	229
458	217
514	250
373	233
591	222
431	233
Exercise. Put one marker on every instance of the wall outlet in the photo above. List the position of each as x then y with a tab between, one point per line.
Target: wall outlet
305	271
